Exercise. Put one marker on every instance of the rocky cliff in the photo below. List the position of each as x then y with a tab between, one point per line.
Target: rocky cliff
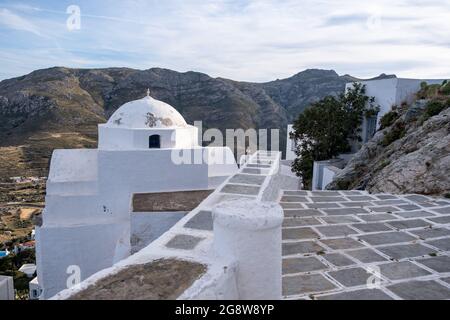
410	154
61	107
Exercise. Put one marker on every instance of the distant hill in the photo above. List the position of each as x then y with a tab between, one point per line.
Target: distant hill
61	107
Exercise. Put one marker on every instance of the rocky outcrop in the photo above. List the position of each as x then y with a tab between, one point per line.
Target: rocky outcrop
299	91
409	156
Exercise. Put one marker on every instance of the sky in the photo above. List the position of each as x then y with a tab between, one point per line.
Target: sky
247	40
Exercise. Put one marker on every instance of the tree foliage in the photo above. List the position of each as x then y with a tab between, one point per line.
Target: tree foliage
326	128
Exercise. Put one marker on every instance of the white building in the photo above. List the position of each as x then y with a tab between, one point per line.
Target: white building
91	193
29	269
6	288
388	93
291	144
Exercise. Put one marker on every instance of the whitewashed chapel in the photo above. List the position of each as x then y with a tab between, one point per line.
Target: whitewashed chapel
102	204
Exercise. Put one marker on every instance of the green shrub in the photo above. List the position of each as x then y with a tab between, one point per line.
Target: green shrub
434	107
388	119
433	90
428	91
398	131
445	89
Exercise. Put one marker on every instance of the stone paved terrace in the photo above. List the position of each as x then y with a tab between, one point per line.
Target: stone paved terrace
331	239
335	241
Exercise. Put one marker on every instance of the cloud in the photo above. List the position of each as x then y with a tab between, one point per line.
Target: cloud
13	21
253	40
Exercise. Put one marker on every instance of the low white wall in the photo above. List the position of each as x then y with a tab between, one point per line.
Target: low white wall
62	210
323	173
316	179
328	175
88	247
290	144
73	171
139	171
221	161
219	283
249	232
6	288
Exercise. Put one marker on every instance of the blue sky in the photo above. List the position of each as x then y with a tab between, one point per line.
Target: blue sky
238	39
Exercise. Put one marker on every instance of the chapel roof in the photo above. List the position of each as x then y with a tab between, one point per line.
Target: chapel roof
146	113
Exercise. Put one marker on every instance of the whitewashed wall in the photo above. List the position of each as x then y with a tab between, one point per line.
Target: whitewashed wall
407	88
221	280
6	288
89	247
290	144
393	91
384	91
73	171
86	221
327	177
112	138
115	138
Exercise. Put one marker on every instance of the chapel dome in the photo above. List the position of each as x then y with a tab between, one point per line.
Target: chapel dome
146	113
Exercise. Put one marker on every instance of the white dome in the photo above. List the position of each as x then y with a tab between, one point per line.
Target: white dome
146	113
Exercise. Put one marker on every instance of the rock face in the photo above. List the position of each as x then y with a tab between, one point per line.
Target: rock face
61	107
417	162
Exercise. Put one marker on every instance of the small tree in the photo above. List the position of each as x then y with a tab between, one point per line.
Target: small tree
325	128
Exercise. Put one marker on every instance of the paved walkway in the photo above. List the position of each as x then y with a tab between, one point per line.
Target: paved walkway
335	243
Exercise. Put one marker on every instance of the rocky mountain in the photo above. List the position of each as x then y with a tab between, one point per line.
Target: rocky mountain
410	154
61	107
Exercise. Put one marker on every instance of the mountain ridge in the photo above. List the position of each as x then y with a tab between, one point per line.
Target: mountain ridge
60	107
